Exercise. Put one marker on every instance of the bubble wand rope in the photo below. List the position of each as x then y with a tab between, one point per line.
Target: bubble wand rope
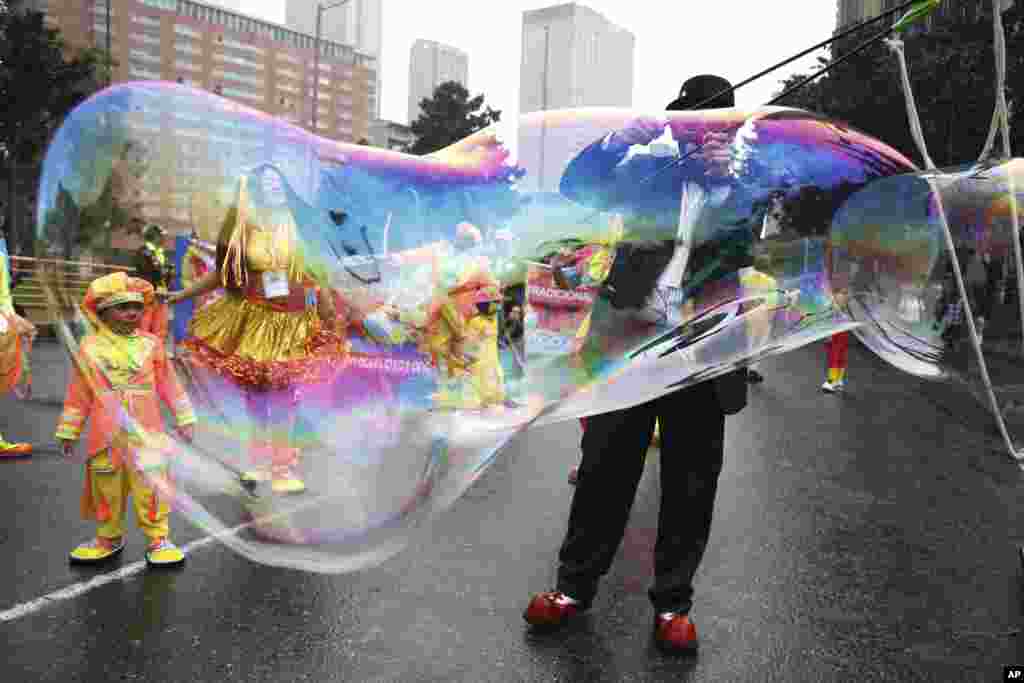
924	7
999	116
839	36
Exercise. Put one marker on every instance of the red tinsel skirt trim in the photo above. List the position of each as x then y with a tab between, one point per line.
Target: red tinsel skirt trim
326	354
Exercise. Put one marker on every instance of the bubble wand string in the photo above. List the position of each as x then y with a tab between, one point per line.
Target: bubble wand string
924	7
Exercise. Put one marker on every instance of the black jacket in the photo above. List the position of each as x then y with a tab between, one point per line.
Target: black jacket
147	267
648	190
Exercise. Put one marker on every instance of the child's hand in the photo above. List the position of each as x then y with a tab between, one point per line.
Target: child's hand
67	448
187	433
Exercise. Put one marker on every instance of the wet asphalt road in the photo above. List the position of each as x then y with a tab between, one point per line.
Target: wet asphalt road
867	537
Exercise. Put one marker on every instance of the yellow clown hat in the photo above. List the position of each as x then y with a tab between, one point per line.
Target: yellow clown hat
478	287
111	290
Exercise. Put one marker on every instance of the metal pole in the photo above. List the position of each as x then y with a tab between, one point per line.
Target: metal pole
316	66
544	105
110	71
320	9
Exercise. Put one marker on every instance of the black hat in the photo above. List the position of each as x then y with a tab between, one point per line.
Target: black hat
700	88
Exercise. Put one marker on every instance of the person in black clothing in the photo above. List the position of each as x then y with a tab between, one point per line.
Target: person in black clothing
692	419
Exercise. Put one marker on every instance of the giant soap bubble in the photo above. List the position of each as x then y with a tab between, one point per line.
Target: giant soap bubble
929	257
366	341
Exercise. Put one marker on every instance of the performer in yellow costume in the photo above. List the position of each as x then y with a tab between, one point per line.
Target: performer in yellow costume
472	376
459	328
16	336
121	375
272	332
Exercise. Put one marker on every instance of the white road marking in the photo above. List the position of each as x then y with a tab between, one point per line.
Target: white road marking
76	589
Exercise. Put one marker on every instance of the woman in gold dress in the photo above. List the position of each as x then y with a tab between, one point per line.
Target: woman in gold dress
271	333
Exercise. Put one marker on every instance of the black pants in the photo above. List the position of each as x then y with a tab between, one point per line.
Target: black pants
692	429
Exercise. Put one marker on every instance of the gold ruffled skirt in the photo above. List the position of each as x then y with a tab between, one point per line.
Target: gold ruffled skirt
263	348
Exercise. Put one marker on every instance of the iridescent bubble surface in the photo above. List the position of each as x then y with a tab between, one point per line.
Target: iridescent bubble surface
926	254
550	267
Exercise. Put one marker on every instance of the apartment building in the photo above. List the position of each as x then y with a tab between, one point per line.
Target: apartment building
259	64
356	22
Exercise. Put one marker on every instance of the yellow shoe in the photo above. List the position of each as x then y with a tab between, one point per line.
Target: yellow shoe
288	485
97	550
14	450
255	476
163	553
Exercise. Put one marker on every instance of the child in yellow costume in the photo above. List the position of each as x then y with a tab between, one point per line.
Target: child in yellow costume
121	375
16	335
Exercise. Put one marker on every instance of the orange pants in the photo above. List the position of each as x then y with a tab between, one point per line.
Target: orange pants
156	321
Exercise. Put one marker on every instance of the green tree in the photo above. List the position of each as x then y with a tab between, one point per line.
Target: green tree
952	73
449	116
39	85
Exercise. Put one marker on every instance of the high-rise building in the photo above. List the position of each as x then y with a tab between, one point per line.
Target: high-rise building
431	64
357	23
852	11
574	57
259	64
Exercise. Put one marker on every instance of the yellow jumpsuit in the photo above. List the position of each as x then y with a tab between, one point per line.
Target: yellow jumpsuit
129	373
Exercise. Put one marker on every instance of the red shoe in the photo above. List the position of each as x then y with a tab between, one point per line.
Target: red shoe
550	610
14	450
574	476
674	632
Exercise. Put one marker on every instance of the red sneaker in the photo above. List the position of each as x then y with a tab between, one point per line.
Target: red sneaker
551	609
674	632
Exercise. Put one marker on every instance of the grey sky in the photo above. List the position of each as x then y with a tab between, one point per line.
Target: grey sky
674	40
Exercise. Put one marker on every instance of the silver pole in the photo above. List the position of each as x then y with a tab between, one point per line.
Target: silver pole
544	106
316	66
110	73
320	9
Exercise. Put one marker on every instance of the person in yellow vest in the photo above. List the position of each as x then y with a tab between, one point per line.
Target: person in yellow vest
16	336
153	266
120	377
